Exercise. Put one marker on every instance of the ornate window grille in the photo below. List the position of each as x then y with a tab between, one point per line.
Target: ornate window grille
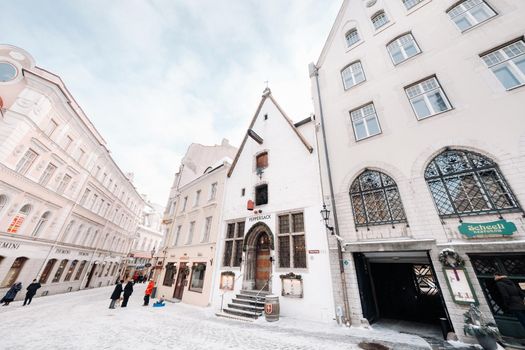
465	183
376	200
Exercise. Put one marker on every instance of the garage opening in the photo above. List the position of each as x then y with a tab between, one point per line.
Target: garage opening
399	290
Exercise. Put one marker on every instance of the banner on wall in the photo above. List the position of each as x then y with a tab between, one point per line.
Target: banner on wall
18	220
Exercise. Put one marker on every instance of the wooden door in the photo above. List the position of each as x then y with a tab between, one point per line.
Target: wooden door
263	264
181	282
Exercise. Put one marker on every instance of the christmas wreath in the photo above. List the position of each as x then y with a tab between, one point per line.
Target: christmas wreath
449	257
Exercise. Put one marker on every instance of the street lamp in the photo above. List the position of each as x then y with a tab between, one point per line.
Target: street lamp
325	214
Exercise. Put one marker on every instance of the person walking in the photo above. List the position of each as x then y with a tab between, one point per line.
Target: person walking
116	294
512	296
31	291
147	293
11	293
128	290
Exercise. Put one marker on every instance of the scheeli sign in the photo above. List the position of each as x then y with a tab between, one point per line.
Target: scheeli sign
500	227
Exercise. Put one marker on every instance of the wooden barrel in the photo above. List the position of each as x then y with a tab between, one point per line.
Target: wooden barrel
271	308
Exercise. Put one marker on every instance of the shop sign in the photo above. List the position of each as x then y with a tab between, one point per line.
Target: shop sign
315	251
500	227
9	245
260	218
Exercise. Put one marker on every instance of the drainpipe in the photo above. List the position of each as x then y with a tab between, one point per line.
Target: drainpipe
314	71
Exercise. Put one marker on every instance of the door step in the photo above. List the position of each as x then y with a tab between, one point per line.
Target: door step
234	317
247	304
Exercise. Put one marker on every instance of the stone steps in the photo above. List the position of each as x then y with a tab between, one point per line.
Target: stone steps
247	304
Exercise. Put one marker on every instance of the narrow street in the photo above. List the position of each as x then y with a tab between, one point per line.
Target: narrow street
82	320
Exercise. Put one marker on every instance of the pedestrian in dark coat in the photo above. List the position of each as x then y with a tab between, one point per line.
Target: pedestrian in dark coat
31	291
512	297
128	290
116	294
11	293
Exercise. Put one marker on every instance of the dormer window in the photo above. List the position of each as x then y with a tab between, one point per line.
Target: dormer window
379	19
261	161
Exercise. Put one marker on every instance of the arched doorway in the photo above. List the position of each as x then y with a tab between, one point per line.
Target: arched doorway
258	245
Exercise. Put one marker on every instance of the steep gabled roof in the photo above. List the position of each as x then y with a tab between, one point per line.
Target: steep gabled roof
330	38
267	94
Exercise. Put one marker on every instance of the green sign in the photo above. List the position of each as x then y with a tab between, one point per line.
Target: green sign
500	227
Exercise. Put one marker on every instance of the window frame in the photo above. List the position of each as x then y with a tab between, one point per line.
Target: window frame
428	104
201	277
417	2
47	174
28	159
350	31
236	239
256	188
207	229
507	62
402	48
191	232
364	117
460	3
291	242
376	15
349	67
474	171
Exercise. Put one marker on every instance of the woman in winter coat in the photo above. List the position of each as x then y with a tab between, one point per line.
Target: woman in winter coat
116	294
128	290
11	293
147	294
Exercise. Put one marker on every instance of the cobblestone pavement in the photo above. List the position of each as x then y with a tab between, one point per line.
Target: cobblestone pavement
82	320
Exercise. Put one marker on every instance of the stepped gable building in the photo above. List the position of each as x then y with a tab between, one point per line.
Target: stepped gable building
421	104
272	237
68	214
193	218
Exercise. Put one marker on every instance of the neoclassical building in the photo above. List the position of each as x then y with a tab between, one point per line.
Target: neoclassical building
193	214
148	240
68	214
423	151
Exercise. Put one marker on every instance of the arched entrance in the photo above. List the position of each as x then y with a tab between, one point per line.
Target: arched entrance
258	245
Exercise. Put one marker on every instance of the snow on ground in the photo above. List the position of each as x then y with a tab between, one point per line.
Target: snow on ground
82	320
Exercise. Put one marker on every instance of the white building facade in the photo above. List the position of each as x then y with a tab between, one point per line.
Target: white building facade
421	103
193	217
272	238
67	212
148	240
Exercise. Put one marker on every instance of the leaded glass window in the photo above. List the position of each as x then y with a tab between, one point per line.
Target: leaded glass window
233	244
467	183
291	241
376	200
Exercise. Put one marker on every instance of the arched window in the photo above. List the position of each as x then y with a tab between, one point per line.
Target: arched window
467	183
3	202
80	269
379	19
13	272
70	270
109	268
18	220
67	231
114	269
85	240
60	270
352	37
77	237
41	224
93	242
375	200
47	270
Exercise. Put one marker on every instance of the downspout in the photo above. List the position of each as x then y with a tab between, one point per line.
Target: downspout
315	72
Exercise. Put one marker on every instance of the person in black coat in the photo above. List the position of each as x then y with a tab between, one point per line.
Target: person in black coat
116	294
11	293
128	290
512	297
31	291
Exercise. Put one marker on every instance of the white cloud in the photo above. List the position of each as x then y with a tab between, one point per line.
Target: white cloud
155	76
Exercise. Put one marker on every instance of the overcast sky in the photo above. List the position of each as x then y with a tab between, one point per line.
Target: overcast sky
155	76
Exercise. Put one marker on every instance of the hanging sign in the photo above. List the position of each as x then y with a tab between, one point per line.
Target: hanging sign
500	227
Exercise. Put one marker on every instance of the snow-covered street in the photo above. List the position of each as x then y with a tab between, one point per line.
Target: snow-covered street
82	320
